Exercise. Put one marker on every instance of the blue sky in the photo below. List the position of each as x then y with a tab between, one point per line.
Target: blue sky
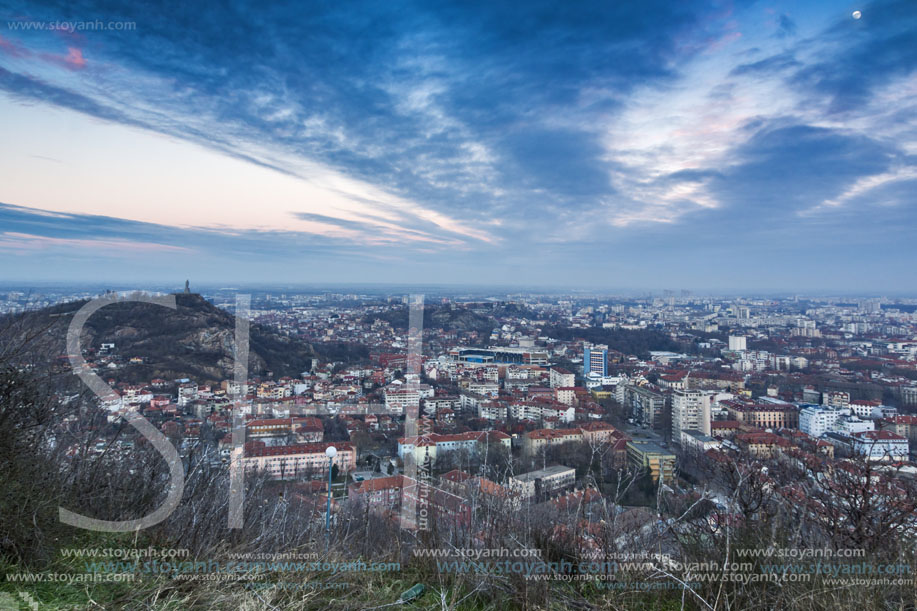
739	145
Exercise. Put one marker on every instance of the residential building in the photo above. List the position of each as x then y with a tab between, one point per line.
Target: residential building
646	405
561	378
690	412
764	414
543	483
697	442
435	445
761	444
905	426
299	460
880	445
648	455
534	441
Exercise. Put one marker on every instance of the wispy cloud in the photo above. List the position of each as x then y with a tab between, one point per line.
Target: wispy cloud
23	243
485	128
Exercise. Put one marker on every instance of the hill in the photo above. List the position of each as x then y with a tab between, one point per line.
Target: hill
482	318
194	341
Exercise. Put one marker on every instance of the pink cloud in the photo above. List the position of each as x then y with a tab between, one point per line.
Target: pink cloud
13	48
74	59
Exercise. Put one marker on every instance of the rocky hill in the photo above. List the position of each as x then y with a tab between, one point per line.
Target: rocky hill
194	341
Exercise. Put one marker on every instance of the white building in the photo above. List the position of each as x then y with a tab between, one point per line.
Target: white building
816	420
848	425
690	412
492	410
543	482
433	445
561	378
737	343
186	394
399	397
696	441
880	445
864	409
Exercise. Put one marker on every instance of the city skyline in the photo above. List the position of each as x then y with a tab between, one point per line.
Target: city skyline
731	146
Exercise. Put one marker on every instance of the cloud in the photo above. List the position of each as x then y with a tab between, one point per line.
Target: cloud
416	99
779	63
784	169
786	27
480	127
73	60
12	48
23	243
857	57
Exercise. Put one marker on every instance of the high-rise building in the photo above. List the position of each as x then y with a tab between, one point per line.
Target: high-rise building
595	359
737	343
690	412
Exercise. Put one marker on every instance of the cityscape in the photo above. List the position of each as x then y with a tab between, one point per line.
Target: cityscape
603	416
458	305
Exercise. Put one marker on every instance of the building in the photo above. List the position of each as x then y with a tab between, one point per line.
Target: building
400	398
724	429
905	426
434	504
502	354
561	378
648	455
697	442
761	444
880	445
737	343
816	420
909	395
764	414
836	398
598	432
848	425
378	493
565	395
595	360
646	405
690	412
386	494
674	381
306	430
534	441
434	445
543	483
492	410
865	409
296	461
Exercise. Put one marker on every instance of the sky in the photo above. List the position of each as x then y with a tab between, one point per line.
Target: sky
682	145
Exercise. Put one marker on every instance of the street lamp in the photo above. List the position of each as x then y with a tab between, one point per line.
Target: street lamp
330	452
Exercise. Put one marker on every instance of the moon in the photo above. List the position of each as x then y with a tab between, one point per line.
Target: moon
857	14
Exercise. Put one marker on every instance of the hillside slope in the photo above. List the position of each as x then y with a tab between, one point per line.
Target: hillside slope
195	340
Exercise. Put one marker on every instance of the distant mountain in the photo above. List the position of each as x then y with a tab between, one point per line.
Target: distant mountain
194	341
